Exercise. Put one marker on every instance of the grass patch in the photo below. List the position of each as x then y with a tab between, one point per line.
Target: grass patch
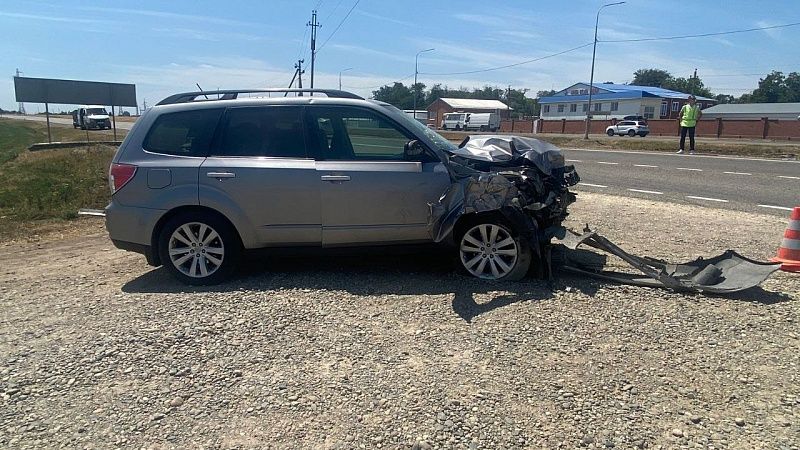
49	186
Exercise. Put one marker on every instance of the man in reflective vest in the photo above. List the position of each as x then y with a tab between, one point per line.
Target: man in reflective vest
690	114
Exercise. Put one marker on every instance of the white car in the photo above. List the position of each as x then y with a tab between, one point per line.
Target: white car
629	127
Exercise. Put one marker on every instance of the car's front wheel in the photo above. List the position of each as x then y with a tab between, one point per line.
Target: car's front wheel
198	248
491	251
631	133
610	132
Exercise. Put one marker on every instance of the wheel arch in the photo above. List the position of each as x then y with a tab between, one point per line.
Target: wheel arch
196	209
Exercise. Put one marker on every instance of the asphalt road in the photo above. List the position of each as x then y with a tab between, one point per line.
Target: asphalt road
744	184
61	121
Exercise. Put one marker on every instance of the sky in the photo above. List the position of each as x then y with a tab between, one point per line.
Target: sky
167	47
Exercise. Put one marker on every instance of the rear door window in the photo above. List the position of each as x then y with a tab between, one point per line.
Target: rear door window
185	133
271	131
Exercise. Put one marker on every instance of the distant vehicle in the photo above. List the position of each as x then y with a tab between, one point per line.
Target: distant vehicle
91	116
628	127
421	115
636	118
482	121
454	121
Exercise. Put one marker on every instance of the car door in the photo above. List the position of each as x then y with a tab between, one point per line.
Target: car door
260	176
369	194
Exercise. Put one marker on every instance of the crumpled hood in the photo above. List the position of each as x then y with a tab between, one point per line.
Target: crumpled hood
510	150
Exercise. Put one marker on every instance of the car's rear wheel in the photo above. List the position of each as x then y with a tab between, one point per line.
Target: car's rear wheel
489	250
458	127
631	133
610	132
199	248
483	127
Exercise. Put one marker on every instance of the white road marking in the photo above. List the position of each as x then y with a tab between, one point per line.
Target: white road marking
605	162
573	160
788	177
737	173
782	208
592	185
646	192
707	198
687	168
734	158
643	165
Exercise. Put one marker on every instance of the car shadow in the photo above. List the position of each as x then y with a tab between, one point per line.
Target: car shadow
396	272
426	272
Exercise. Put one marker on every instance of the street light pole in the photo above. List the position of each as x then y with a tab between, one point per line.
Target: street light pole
340	76
591	77
416	71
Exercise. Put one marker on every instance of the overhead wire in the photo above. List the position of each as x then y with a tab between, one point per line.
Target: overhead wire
339	25
506	66
687	36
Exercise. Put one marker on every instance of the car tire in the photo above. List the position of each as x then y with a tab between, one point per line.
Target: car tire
631	133
444	127
483	128
181	245
490	250
610	132
458	127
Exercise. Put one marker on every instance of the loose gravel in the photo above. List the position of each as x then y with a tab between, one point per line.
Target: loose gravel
99	350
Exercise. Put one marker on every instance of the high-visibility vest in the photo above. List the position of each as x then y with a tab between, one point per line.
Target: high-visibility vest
689	114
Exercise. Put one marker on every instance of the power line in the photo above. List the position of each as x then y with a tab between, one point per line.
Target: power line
509	65
380	85
686	36
333	10
340	23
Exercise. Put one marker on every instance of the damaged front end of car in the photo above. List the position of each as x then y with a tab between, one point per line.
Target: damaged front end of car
523	179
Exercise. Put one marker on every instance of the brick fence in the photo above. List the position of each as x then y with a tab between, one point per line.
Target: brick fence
720	128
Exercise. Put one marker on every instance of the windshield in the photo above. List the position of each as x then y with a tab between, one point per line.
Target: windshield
414	125
96	111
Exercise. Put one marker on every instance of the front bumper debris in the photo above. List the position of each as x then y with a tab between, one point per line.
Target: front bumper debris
722	274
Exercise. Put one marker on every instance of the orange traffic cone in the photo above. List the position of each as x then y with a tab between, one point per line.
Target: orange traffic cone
789	251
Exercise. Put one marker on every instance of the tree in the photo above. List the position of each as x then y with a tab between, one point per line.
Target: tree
651	77
397	95
725	98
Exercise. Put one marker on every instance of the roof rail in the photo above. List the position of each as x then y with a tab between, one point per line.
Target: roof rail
186	97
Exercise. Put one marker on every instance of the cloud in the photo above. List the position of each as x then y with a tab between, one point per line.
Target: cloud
49	18
773	33
386	19
205	35
167	15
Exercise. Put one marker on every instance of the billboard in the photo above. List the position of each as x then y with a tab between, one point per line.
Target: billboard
73	92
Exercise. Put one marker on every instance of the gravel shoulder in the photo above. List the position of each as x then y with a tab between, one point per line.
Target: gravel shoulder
98	350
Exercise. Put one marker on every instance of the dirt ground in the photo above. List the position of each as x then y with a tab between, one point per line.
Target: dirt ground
99	350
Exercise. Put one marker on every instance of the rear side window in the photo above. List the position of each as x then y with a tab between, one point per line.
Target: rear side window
185	133
274	131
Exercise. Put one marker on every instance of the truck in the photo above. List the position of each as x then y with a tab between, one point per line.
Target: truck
454	121
482	122
91	116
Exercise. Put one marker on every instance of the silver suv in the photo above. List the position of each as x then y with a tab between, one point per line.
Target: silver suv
197	182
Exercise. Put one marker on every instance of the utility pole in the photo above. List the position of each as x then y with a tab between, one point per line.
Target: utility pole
314	25
694	84
591	77
300	72
21	106
416	71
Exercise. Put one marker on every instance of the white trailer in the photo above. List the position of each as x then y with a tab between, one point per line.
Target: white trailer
482	122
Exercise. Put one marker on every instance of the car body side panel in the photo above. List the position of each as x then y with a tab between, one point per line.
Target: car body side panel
276	199
382	202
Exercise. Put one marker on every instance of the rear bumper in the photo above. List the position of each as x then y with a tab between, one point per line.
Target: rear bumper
145	250
131	224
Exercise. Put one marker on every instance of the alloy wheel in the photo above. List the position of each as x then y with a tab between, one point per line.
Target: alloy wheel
488	251
196	249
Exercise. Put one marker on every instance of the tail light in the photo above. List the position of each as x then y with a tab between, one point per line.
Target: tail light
119	175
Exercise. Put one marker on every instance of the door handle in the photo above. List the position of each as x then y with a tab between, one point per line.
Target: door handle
335	178
221	175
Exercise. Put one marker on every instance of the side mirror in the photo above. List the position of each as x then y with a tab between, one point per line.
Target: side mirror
412	150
